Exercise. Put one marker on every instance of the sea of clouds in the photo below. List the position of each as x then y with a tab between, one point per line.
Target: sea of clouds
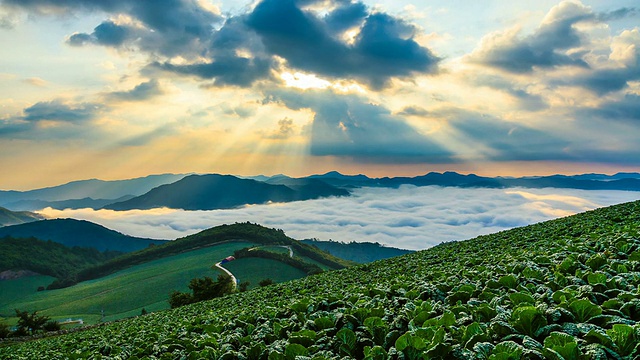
408	217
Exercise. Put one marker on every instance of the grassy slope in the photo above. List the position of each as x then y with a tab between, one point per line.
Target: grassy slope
16	290
249	232
141	279
123	293
449	289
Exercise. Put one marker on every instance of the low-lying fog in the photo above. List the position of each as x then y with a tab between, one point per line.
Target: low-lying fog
409	217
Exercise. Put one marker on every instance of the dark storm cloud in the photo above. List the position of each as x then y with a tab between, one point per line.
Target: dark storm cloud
11	127
160	15
349	126
231	70
171	27
107	33
63	121
56	110
545	48
346	16
626	110
605	81
383	49
143	91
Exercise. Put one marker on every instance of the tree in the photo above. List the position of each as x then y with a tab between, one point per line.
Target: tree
51	325
203	289
266	282
29	324
244	286
4	330
177	299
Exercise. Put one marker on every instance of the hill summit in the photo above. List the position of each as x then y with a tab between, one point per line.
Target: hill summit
208	192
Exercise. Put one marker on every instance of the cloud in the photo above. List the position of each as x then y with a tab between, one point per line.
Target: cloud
285	130
408	217
36	81
350	126
107	33
225	70
546	48
624	66
525	99
626	109
140	92
57	110
349	41
7	21
618	14
383	48
164	27
413	111
346	16
55	119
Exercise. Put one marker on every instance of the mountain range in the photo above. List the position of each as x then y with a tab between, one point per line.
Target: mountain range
208	192
83	189
619	181
214	191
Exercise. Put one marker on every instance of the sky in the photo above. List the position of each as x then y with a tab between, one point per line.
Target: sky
408	217
117	89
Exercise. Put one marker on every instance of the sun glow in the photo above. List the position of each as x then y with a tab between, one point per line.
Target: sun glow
304	81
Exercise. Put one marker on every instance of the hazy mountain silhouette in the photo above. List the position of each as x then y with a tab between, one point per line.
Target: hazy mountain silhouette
8	217
96	189
208	192
620	181
28	205
71	232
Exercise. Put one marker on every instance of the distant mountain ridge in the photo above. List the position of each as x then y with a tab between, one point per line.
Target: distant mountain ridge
213	191
619	181
81	233
27	205
93	188
8	217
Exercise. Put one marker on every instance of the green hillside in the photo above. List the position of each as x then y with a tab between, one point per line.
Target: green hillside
47	257
123	293
71	232
254	233
563	289
123	285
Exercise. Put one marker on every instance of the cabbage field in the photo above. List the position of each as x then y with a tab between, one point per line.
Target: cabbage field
563	289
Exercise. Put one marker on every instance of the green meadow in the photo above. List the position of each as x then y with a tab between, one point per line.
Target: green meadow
126	292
